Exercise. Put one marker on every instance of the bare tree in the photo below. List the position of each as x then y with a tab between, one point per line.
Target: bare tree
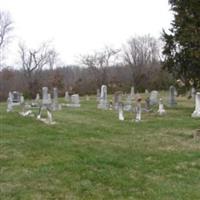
33	61
6	26
140	51
98	62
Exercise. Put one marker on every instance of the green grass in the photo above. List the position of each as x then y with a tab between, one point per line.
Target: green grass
89	154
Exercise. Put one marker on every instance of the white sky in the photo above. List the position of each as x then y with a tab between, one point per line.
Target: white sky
80	26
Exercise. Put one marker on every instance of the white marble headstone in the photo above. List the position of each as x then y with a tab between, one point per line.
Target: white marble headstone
103	98
196	112
161	109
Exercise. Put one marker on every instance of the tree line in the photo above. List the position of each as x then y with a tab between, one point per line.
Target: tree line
140	62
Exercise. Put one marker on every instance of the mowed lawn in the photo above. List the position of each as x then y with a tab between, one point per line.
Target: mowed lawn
90	154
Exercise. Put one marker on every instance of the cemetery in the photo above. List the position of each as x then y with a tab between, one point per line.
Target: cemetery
100	100
92	147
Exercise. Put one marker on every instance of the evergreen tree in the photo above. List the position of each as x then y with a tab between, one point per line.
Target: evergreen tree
182	42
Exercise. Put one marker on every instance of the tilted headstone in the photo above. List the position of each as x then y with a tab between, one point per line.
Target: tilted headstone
46	106
103	98
172	96
161	109
48	119
153	99
26	112
196	112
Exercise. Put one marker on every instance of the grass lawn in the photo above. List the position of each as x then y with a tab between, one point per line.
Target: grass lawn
89	154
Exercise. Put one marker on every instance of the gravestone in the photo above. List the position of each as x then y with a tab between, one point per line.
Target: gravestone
36	102
21	99
37	98
16	97
98	95
46	98
196	112
9	102
26	112
172	96
75	101
117	99
46	105
161	109
128	104
138	110
153	99
132	92
103	98
47	120
55	105
66	96
121	112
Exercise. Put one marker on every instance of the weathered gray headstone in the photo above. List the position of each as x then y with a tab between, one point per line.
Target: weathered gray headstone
75	101
196	112
55	105
16	97
132	92
153	99
172	96
46	98
128	104
117	99
66	96
98	94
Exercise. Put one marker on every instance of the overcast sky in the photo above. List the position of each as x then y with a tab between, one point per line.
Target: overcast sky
81	26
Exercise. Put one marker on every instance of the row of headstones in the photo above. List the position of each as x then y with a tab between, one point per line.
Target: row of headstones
15	99
46	99
46	104
152	99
